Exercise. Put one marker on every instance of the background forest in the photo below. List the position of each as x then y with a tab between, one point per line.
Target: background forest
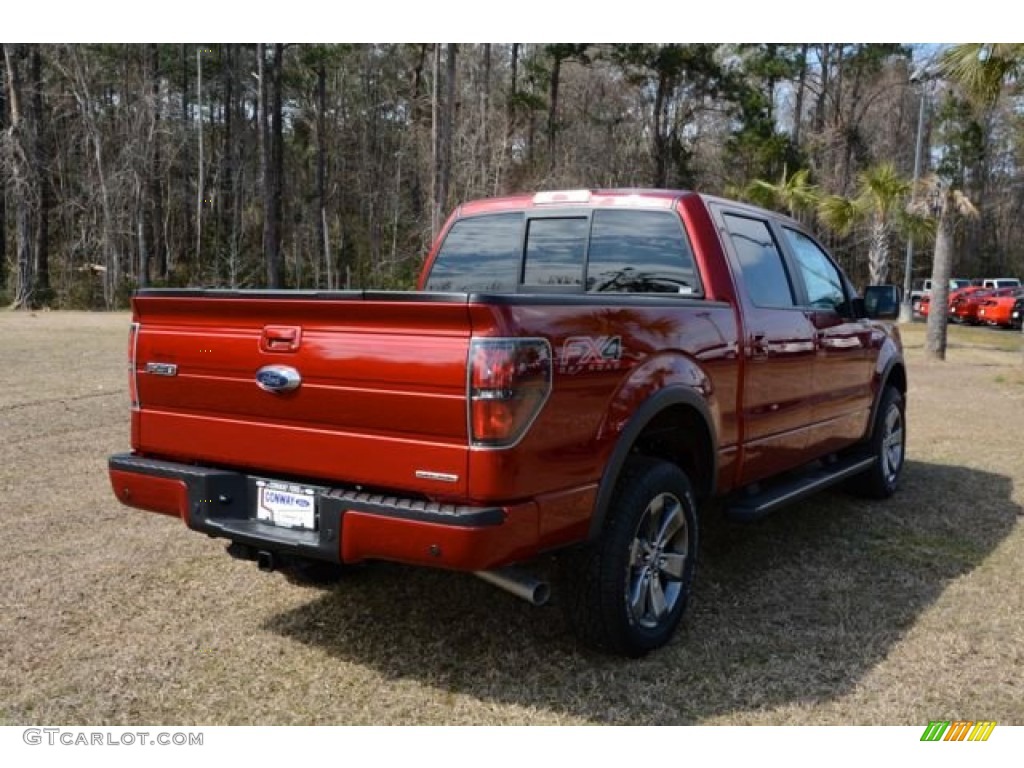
331	166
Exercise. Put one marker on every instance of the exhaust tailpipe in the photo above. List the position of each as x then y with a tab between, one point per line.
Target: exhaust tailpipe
265	561
519	583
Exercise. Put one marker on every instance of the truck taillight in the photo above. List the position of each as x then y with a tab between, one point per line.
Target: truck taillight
133	376
508	383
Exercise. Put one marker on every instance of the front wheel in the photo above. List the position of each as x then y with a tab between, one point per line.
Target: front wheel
888	447
627	592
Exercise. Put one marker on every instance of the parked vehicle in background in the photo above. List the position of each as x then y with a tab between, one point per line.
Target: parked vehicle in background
1017	314
964	308
922	289
579	372
996	283
997	308
960	294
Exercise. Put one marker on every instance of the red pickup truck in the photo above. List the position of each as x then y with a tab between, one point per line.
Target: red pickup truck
578	373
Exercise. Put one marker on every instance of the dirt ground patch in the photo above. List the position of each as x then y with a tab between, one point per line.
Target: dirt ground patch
836	611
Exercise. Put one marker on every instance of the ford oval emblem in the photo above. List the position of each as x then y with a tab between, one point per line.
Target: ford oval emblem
278	378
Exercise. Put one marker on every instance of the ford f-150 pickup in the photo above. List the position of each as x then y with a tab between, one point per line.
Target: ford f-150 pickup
578	374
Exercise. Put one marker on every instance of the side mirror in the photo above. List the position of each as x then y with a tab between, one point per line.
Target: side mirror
882	302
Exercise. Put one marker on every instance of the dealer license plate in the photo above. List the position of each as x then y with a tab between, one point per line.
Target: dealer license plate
285	505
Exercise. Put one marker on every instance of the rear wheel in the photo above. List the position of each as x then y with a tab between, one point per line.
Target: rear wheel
627	592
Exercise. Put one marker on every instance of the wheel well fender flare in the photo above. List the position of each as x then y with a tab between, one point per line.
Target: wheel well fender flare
894	368
644	415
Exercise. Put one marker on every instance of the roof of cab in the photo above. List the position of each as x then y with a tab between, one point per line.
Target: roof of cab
576	198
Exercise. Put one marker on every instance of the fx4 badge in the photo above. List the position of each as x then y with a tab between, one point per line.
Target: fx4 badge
590	353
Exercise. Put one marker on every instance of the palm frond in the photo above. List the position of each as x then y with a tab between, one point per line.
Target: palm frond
882	189
761	193
917	225
839	214
981	69
793	193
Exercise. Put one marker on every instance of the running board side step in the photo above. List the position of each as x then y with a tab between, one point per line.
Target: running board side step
746	509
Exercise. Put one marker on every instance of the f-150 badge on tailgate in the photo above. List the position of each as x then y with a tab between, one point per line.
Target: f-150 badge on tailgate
278	378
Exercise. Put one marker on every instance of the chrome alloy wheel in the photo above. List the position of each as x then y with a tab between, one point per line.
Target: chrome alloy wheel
657	561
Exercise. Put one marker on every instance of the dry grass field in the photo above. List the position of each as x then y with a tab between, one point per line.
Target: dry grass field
837	611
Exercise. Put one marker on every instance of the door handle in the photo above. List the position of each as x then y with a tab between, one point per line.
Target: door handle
758	346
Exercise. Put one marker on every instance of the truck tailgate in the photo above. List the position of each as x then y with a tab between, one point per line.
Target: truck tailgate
381	374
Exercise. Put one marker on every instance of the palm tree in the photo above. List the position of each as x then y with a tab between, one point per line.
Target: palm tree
949	206
794	194
880	201
982	69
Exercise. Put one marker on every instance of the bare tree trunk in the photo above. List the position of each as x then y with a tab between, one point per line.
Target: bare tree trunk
556	75
485	106
16	146
186	191
447	133
271	252
819	106
143	277
227	156
942	269
201	179
435	143
415	187
40	173
156	194
798	109
397	211
277	157
511	105
658	139
321	167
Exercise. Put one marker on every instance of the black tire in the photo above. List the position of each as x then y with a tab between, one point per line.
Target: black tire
626	592
888	446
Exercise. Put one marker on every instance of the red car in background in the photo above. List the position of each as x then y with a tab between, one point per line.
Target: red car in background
954	296
997	308
964	308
